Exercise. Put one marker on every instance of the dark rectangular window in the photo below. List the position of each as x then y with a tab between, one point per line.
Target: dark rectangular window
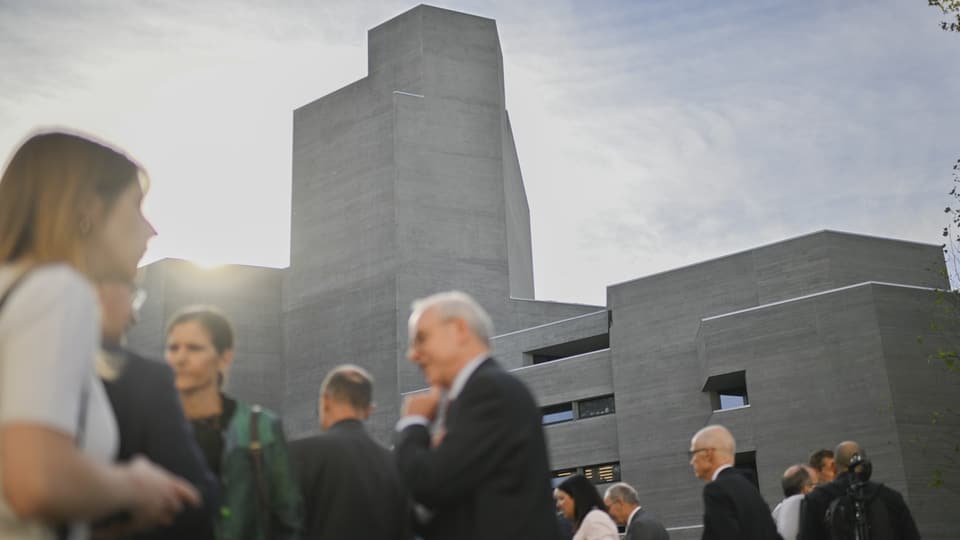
596	407
746	462
604	473
570	348
727	390
555	414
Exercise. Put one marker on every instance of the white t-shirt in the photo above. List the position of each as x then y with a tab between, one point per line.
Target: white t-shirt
597	525
49	335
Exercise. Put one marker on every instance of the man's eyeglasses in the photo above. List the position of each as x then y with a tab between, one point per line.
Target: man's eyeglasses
691	453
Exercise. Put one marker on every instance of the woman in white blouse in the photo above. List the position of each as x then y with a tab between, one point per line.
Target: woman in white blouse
578	500
69	214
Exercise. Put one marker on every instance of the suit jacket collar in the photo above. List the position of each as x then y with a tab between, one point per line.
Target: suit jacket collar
637	512
464	375
716	473
349	425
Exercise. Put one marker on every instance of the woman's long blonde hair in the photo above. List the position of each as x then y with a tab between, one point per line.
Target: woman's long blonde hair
48	188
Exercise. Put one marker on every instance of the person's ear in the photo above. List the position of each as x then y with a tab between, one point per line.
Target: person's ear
226	358
365	414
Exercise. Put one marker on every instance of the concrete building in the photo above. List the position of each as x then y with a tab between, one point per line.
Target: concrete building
407	182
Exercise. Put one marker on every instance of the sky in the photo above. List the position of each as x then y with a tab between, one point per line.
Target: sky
651	134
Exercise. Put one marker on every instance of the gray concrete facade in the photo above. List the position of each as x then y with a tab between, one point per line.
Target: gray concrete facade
407	182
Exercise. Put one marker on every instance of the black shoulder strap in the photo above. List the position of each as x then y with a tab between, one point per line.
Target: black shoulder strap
263	491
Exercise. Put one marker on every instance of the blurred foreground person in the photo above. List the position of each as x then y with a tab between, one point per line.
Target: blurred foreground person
149	416
623	504
242	443
486	475
732	505
351	487
69	215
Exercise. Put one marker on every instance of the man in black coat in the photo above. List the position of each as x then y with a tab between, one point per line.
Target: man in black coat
623	504
350	483
887	514
732	505
150	419
484	474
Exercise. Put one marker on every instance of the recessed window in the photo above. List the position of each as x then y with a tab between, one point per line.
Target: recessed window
603	474
596	407
727	390
568	349
746	462
555	414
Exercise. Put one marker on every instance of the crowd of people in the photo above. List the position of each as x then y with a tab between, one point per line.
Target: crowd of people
98	441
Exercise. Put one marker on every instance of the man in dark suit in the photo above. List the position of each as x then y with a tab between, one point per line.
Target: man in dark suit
485	473
350	484
623	504
150	420
887	514
732	505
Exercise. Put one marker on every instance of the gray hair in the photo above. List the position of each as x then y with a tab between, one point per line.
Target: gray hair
717	437
622	491
795	479
349	384
454	305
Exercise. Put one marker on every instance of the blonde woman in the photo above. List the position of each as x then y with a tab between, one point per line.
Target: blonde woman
69	215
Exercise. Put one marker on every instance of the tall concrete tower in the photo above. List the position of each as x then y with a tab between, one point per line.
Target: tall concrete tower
405	183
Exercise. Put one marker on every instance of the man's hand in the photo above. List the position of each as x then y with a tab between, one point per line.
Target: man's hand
422	404
160	496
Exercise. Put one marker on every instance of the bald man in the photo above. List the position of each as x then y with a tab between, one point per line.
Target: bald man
732	506
798	480
886	510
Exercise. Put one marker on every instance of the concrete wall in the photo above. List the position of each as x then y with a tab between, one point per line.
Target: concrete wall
511	348
924	396
339	293
664	345
400	190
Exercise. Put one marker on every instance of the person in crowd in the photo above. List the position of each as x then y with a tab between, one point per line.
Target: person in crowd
822	462
577	499
69	215
150	419
732	505
798	480
623	504
243	444
487	476
350	484
886	512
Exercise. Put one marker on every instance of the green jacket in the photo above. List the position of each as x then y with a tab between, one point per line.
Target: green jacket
241	517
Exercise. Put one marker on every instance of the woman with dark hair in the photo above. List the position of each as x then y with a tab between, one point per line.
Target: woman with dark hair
69	216
578	500
243	444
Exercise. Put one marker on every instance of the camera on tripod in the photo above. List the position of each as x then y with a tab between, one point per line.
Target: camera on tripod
859	469
846	517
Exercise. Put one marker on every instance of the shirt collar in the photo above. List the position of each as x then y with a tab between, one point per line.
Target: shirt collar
630	517
720	468
461	379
